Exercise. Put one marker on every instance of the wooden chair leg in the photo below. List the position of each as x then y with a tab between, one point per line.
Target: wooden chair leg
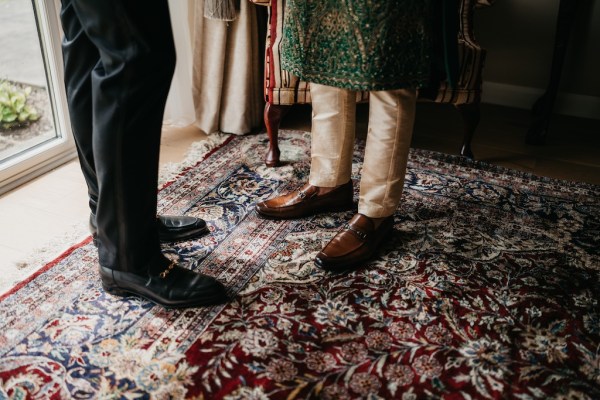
542	109
471	114
272	115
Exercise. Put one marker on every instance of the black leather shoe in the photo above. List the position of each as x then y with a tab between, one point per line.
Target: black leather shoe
176	228
171	228
166	284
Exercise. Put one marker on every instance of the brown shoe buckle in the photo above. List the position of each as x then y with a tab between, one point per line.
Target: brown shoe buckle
167	270
362	235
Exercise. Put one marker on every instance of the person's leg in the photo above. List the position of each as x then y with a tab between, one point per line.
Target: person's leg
332	135
332	142
81	57
129	87
391	121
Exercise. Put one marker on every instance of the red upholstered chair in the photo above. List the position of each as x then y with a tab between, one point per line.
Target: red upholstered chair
282	90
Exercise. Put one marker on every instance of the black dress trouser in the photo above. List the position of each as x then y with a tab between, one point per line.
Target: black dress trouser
119	59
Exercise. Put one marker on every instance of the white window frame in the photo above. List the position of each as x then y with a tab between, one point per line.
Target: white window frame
44	157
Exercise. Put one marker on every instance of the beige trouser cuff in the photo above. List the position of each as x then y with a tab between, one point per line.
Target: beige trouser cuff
332	140
391	121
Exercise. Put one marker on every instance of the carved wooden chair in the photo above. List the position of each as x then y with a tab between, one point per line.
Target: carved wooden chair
282	90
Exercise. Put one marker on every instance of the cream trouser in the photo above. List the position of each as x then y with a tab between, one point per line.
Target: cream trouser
391	120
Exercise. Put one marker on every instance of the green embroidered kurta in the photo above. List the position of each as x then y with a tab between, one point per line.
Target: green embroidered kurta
359	44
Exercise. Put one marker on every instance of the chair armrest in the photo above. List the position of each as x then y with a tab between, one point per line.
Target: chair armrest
261	2
484	3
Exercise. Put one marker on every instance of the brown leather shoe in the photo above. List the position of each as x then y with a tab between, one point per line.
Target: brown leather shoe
355	244
307	201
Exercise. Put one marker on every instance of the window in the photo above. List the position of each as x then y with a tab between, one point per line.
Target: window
34	131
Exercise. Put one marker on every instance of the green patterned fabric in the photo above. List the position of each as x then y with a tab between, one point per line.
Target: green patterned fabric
359	44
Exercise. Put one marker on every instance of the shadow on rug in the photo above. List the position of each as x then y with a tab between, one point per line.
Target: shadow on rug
488	288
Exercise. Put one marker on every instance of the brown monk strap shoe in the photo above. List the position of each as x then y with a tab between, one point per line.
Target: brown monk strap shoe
308	200
355	244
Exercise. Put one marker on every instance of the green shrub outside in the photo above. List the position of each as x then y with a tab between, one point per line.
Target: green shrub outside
14	110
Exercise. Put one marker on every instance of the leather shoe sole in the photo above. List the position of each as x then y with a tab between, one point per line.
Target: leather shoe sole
354	245
172	286
306	202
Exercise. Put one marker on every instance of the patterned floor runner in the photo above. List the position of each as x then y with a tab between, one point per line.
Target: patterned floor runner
488	288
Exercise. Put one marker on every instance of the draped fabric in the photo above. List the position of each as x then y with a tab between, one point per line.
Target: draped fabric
227	64
223	10
179	110
359	44
219	76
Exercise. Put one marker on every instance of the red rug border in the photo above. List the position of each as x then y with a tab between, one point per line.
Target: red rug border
45	268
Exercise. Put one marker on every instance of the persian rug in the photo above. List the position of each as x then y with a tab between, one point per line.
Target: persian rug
488	288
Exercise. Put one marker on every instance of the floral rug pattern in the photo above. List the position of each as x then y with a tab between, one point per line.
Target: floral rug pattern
488	288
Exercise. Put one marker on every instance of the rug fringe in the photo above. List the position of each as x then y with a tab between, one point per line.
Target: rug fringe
198	150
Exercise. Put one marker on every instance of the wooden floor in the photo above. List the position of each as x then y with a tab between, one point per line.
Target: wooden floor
571	152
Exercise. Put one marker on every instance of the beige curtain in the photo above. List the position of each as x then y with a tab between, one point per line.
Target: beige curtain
179	110
227	87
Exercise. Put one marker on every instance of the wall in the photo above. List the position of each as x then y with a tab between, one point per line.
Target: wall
519	37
